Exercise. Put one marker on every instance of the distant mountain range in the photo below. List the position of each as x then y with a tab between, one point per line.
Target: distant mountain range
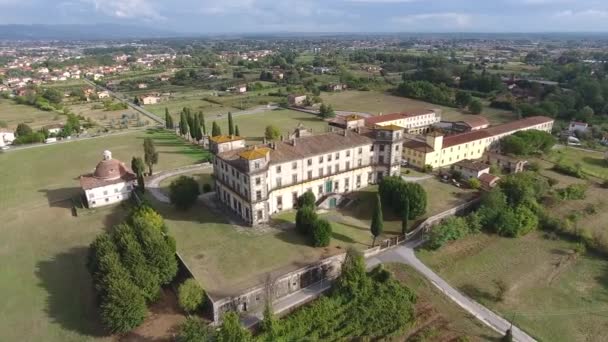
80	32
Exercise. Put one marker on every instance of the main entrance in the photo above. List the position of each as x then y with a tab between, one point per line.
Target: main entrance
333	203
328	186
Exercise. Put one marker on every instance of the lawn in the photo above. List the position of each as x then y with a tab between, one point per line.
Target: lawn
202	177
547	289
47	290
383	103
14	114
592	163
252	126
437	317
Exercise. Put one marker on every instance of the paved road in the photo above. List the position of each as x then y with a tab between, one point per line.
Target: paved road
405	254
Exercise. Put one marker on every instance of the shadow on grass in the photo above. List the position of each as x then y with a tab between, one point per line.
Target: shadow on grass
477	293
343	238
61	198
595	161
71	300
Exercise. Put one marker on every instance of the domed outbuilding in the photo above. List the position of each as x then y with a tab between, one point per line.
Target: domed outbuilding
111	182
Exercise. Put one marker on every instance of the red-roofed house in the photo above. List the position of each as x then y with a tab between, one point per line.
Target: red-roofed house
111	182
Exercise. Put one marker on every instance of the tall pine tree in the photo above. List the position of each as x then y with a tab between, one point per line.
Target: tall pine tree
377	225
230	124
183	124
201	121
215	129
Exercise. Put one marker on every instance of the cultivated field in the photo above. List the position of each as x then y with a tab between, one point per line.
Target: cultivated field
592	163
13	114
110	119
47	290
382	103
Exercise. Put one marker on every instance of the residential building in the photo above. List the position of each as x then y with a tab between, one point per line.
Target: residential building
577	126
488	181
506	163
296	100
104	94
258	181
53	128
471	169
439	151
111	182
336	87
149	99
414	122
467	124
6	137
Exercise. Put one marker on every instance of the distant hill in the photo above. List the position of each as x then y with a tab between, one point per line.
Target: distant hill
80	32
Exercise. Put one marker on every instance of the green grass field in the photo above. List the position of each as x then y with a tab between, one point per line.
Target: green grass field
14	114
48	294
382	103
593	163
252	126
202	177
548	290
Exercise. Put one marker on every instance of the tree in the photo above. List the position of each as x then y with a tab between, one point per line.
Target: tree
196	129
475	106
136	101
139	168
474	183
326	111
353	280
23	130
201	121
193	330
305	219
183	192
463	99
321	233
190	295
150	154
272	132
230	124
231	329
215	130
269	324
123	307
307	199
167	118
405	214
508	336
236	131
393	192
377	225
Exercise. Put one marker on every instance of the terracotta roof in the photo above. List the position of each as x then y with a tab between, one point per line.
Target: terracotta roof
353	117
396	116
472	165
254	153
107	172
419	146
225	138
389	127
489	132
475	121
488	178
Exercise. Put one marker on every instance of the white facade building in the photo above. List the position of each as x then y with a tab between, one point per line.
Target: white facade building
414	122
6	137
111	182
256	182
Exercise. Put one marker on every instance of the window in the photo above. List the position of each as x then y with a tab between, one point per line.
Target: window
347	165
244	179
280	202
320	159
91	195
107	200
294	165
346	183
309	174
129	187
294	178
336	186
371	148
309	162
294	198
329	170
360	150
337	155
260	215
105	193
381	148
256	165
115	190
279	169
258	195
258	181
381	159
321	172
320	189
348	153
359	162
279	181
397	148
329	157
358	180
337	168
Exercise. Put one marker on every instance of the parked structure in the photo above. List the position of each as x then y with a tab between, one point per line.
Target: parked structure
414	122
111	182
258	181
439	151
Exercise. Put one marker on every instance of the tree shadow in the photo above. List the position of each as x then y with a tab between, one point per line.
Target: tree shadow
343	238
71	300
477	293
595	161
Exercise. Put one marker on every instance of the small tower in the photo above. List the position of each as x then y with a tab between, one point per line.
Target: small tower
107	155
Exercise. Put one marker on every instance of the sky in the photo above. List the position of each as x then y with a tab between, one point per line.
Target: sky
257	16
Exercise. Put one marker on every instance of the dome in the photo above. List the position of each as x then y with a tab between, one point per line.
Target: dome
109	169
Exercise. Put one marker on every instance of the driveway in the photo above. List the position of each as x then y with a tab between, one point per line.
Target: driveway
153	183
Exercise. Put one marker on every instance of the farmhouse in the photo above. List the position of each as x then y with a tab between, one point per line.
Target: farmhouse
577	126
111	182
6	137
258	181
104	94
471	169
439	151
414	122
149	99
54	128
296	100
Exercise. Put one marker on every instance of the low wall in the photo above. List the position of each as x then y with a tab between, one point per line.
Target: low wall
327	269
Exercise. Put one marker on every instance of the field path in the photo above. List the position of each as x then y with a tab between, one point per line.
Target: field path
153	183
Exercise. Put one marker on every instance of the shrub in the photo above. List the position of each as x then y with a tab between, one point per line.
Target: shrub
183	192
474	183
207	188
193	330
568	170
307	199
321	233
190	295
272	132
231	329
573	192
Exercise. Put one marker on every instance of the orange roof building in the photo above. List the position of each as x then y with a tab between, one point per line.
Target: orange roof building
111	182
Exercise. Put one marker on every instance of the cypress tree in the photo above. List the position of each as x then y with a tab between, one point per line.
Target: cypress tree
183	125
405	215
236	131
201	121
215	130
377	225
195	128
230	124
167	118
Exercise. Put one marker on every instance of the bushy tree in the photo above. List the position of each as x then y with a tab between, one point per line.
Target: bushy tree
23	130
236	131
145	215
321	233
405	215
393	192
307	199
475	106
305	218
272	132
527	142
139	168
123	308
201	121
269	325
463	98
231	329
377	225
474	183
183	192
190	295
353	280
194	330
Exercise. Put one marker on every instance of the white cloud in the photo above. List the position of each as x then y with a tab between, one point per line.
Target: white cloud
443	20
590	13
127	9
